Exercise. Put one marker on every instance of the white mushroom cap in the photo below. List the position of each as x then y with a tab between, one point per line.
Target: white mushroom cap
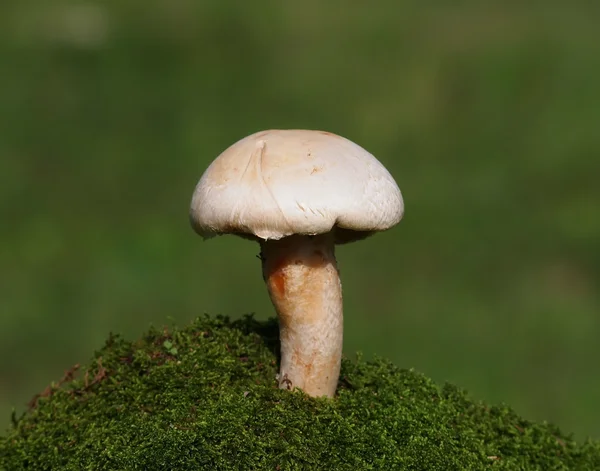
277	183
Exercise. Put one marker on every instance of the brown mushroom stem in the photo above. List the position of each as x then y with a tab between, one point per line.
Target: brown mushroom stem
304	284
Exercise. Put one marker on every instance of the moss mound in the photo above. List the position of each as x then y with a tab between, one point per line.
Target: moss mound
204	397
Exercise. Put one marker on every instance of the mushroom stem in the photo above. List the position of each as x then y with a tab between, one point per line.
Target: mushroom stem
304	284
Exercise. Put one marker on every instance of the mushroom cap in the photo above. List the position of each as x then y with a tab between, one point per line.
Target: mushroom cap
277	183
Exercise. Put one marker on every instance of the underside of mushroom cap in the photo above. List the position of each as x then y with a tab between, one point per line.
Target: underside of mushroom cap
276	183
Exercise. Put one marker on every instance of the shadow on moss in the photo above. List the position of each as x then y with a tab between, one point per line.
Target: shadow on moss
205	397
267	330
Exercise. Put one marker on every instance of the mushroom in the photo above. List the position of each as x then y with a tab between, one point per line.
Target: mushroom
299	193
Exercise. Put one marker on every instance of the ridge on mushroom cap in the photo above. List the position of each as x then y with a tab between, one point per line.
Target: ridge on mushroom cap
276	183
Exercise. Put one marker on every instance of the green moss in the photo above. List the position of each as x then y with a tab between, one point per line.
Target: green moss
204	397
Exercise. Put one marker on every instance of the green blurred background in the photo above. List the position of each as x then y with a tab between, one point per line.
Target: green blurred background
487	114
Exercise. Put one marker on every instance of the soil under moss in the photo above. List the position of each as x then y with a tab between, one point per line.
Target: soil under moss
204	397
